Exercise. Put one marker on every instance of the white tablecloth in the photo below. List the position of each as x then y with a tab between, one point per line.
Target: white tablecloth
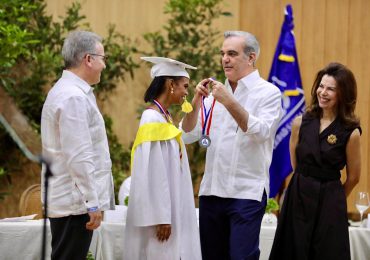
110	237
22	240
359	239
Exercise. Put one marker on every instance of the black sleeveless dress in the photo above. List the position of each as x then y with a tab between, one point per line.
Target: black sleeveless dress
313	221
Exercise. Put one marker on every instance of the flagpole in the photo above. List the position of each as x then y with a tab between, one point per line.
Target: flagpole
285	75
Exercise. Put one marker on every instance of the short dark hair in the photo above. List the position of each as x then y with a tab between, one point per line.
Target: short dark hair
346	93
156	87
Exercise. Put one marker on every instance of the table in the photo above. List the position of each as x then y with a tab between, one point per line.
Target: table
359	239
110	241
22	240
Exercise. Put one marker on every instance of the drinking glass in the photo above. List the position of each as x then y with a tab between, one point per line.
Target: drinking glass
362	202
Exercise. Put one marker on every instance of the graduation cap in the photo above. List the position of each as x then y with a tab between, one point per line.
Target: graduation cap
168	67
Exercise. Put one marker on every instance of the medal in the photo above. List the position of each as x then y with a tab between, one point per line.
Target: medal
205	141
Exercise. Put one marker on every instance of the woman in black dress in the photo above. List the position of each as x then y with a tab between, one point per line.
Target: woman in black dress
313	222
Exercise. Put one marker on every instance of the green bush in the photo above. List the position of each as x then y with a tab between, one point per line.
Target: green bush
120	157
15	39
90	256
126	201
272	205
190	37
30	62
3	174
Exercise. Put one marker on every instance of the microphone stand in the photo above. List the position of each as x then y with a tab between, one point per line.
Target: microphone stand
48	173
46	188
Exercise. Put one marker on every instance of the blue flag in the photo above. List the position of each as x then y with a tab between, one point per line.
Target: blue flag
285	75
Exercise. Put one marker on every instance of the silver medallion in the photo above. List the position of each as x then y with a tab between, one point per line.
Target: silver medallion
205	141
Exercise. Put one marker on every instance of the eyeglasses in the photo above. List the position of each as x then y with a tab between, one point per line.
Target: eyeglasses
105	58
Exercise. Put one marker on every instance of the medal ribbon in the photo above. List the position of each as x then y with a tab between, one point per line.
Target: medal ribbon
168	118
207	117
165	112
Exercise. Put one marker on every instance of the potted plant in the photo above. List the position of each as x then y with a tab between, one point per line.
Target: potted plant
270	218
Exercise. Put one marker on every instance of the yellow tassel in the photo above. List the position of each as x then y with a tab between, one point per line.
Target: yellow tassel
186	106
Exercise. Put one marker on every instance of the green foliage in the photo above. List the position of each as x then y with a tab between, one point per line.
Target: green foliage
191	38
3	173
90	256
30	61
33	70
126	201
272	205
9	162
119	49
120	156
15	39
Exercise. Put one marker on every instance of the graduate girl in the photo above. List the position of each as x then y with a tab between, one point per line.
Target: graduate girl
161	219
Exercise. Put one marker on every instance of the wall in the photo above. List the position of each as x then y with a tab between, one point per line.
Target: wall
326	30
132	18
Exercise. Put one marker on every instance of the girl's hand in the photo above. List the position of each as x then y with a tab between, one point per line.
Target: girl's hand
163	232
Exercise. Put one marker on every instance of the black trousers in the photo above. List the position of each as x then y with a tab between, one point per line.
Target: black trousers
70	238
229	228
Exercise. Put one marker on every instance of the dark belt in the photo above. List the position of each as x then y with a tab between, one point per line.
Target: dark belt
318	173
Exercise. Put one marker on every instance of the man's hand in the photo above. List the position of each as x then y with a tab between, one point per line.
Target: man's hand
202	89
95	220
163	232
220	92
190	119
237	111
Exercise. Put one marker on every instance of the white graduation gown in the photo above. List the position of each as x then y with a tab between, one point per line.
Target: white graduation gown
161	192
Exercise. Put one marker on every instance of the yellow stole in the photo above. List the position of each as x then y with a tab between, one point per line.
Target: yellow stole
152	132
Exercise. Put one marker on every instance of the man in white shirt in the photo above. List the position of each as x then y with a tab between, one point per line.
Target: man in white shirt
241	130
75	141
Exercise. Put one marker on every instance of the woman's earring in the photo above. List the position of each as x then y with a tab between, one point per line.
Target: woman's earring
171	90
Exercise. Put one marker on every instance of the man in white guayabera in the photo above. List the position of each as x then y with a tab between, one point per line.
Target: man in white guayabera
237	123
74	139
